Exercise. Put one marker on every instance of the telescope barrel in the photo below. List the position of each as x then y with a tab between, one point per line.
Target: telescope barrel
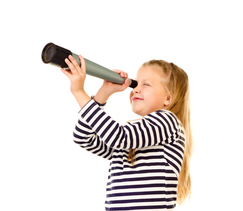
56	55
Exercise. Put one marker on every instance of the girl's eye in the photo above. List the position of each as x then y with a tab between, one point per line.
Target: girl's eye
146	84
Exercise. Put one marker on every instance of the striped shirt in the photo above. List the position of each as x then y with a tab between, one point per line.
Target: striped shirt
149	184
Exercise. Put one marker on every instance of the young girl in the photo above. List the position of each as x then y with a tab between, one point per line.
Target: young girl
149	158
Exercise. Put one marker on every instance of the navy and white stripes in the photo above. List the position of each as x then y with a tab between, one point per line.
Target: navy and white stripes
149	184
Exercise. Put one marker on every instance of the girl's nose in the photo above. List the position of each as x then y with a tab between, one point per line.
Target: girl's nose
136	90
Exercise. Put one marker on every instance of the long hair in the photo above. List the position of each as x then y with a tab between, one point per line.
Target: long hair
177	84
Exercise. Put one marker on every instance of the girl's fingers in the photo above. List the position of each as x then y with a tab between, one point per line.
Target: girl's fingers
74	62
71	66
74	66
126	84
122	74
83	65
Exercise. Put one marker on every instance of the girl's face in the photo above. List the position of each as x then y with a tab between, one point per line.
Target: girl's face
150	94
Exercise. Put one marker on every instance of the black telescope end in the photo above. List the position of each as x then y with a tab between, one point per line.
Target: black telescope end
55	55
48	53
133	83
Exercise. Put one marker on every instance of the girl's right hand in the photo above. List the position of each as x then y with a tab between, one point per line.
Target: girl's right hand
109	88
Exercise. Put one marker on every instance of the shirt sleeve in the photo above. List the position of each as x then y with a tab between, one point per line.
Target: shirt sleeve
85	137
102	132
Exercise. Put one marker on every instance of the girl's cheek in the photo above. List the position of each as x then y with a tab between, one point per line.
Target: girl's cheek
130	97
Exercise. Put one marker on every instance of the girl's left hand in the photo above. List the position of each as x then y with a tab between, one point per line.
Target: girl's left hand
76	74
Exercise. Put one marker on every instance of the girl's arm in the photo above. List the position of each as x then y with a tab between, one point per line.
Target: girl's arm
86	138
108	88
160	127
83	133
77	77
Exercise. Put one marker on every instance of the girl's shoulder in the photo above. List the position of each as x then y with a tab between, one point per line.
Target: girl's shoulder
158	115
163	114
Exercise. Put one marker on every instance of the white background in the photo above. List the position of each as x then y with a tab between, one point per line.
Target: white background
40	166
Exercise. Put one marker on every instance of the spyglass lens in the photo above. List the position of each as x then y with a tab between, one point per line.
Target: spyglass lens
49	53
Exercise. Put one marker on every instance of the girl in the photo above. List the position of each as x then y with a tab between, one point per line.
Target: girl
149	158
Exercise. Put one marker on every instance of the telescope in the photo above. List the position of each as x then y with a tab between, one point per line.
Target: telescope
55	55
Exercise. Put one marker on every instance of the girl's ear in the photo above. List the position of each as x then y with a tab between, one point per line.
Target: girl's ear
167	100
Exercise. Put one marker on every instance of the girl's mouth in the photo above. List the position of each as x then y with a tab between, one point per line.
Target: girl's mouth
136	99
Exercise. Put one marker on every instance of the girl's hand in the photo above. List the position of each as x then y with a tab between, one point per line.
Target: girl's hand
109	88
112	87
77	76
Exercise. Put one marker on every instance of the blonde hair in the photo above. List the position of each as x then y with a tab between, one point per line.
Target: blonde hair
177	84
